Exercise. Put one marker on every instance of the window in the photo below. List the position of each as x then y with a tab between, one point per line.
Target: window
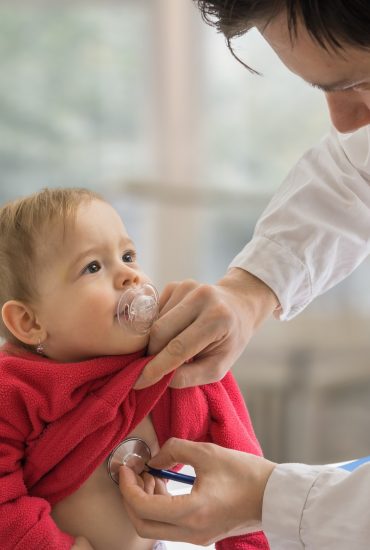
73	90
256	127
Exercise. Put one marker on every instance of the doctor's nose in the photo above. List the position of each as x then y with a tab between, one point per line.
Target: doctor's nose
349	110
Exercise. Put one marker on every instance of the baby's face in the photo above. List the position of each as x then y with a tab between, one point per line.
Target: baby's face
80	284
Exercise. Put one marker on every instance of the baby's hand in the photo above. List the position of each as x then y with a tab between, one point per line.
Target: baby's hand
82	544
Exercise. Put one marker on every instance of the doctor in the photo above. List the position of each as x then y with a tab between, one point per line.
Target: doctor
314	233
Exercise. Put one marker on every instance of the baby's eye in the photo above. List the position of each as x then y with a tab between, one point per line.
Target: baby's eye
129	257
93	267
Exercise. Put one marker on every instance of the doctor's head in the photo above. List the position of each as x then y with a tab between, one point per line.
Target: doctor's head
65	260
326	43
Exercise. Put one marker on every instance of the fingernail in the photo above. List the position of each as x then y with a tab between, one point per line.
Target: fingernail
143	382
139	383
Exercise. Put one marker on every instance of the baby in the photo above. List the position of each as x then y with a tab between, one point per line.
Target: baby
68	368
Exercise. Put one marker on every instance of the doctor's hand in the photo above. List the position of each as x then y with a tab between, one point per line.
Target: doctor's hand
226	498
81	544
206	325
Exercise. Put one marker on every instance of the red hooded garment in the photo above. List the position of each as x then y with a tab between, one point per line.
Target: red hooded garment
60	421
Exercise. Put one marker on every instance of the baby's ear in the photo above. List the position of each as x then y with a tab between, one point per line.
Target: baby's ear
20	320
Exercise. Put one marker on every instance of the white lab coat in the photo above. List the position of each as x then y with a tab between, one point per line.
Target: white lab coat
317	508
316	229
315	232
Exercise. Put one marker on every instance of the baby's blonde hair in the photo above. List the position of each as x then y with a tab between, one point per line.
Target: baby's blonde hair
24	223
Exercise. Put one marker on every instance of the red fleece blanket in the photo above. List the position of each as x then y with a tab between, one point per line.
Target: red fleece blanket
60	421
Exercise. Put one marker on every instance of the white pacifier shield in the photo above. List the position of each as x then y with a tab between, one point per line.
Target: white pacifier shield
138	308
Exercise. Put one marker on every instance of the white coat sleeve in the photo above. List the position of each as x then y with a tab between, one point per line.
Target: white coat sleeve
316	229
317	508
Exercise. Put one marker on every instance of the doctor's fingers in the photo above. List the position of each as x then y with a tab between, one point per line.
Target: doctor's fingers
144	506
165	530
173	293
163	517
186	518
186	304
209	366
181	451
182	334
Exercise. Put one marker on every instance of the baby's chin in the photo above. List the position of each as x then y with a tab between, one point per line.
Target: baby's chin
133	343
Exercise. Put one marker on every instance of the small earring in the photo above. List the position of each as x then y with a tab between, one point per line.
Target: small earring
40	347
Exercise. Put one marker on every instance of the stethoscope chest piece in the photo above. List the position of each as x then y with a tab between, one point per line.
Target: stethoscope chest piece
135	453
132	452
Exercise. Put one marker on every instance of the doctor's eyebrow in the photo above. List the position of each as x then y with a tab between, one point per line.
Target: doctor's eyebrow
339	86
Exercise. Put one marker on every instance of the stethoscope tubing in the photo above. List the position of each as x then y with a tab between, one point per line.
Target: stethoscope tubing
173	476
137	448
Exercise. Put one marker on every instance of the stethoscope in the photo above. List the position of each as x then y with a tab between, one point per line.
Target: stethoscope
137	310
135	453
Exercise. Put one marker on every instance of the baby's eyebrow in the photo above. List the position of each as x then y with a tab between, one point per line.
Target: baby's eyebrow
83	254
128	242
124	242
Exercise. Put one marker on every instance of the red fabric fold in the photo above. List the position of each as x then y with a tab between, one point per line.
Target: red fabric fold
60	421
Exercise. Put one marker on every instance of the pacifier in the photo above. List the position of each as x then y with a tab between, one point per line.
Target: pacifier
138	308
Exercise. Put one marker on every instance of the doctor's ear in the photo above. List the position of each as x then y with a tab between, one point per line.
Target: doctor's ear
21	321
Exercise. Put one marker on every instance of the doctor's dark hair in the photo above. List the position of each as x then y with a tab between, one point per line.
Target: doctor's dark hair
331	23
28	238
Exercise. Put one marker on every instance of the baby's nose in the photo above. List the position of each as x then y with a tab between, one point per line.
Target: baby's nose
127	276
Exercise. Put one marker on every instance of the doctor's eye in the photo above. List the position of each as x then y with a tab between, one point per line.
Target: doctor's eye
129	257
92	267
363	87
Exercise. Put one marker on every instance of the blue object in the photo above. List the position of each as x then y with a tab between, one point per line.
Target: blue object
174	476
350	466
135	453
